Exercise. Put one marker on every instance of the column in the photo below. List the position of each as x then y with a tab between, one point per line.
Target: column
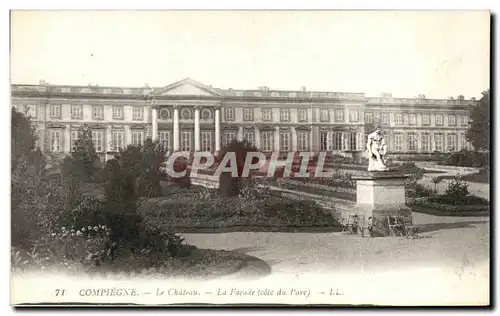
293	135
277	139
66	139
257	138
197	129
239	137
217	129
154	118
329	140
175	141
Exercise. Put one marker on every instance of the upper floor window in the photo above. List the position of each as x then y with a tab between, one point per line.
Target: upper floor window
284	115
465	120
368	117
30	110
55	111
452	120
97	112
324	115
412	119
76	112
385	118
229	114
302	115
353	115
117	112
137	113
248	114
426	119
267	115
439	119
398	119
165	114
339	115
206	114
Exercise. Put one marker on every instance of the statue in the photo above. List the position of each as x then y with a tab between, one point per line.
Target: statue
376	149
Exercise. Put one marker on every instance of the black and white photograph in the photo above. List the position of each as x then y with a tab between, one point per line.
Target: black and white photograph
250	158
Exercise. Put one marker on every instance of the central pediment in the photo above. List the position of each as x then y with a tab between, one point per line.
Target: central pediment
187	86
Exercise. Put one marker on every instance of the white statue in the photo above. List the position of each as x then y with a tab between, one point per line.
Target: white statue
376	149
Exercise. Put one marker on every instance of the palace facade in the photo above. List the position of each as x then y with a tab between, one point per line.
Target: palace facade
190	116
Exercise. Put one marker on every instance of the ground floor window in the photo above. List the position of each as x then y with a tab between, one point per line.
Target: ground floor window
55	140
303	141
337	141
206	141
118	140
439	142
230	136
137	138
267	141
284	141
164	138
323	139
398	142
185	141
249	137
412	142
426	142
98	140
452	142
353	142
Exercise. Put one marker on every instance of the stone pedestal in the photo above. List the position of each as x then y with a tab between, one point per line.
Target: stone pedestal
378	195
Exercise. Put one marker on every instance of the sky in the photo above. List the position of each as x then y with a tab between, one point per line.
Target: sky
406	53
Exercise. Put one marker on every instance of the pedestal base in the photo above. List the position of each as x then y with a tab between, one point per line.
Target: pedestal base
380	195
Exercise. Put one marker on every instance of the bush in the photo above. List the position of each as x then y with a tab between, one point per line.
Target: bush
459	200
457	188
466	158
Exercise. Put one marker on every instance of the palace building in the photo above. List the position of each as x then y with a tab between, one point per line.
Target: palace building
190	116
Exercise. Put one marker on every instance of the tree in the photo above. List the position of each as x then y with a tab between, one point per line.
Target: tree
229	185
479	130
86	161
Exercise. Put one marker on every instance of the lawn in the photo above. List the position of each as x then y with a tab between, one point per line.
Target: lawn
480	177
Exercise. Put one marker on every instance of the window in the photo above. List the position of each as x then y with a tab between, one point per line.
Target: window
75	136
249	137
337	141
426	142
55	111
165	114
30	110
352	141
412	119
398	119
76	112
230	136
452	142
164	137
137	113
368	117
206	141
353	115
439	119
98	140
284	115
284	141
117	141
385	118
137	138
323	140
465	120
229	114
339	115
185	141
248	114
303	141
398	142
324	115
55	140
463	142
267	115
302	115
438	142
97	112
118	113
267	141
426	119
412	142
452	120
206	114
186	114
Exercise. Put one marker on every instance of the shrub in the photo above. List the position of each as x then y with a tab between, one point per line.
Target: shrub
457	187
459	200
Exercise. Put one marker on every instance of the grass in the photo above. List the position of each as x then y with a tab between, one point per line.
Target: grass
481	177
330	193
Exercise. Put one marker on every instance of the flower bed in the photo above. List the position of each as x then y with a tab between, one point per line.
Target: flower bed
339	193
451	206
267	214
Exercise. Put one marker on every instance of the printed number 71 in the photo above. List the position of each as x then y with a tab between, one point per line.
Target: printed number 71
59	292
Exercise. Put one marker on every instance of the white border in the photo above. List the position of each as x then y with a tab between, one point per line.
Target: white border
191	4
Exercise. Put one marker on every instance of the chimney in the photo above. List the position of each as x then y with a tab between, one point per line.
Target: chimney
42	82
303	89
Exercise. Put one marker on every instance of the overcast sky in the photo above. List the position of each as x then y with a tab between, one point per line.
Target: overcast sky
439	54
